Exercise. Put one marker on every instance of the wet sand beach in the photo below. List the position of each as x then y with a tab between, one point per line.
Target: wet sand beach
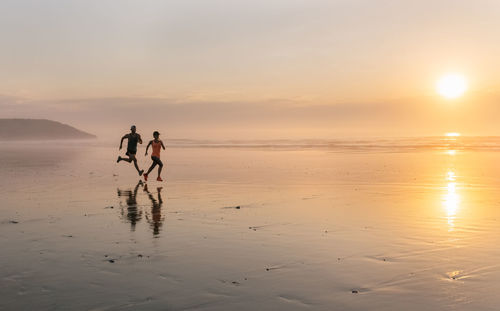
404	225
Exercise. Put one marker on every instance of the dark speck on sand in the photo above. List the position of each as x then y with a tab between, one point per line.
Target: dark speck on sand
236	207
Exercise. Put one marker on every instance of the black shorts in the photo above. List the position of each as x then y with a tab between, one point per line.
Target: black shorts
131	152
156	160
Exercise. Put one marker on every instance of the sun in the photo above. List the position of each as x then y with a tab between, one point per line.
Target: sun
451	85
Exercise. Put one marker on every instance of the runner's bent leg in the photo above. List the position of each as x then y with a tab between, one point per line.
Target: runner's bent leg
151	167
133	158
129	159
160	166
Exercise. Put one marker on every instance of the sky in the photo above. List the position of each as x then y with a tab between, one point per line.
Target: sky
251	69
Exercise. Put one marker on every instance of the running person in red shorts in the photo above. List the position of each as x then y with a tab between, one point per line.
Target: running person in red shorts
156	144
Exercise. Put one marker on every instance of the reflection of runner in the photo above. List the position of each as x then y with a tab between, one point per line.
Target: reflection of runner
156	221
133	139
133	214
156	144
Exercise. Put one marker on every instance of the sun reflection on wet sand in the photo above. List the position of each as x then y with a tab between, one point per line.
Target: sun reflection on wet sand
451	200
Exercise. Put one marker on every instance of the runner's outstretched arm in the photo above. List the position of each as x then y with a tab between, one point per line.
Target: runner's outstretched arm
121	141
147	147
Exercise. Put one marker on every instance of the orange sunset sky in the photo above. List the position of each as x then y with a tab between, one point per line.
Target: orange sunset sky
252	69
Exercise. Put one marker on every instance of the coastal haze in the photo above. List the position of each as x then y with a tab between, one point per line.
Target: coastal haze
321	155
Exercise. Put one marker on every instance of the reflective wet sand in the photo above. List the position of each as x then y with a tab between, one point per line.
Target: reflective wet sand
250	229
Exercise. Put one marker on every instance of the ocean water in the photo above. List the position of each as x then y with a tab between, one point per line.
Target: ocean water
375	224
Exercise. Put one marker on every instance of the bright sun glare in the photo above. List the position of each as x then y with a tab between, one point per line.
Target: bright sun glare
451	85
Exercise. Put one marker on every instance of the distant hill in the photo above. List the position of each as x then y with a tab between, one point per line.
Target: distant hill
38	129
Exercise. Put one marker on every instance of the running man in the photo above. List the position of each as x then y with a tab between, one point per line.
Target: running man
156	144
133	139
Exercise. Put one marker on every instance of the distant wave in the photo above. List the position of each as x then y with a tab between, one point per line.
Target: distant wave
466	143
413	144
